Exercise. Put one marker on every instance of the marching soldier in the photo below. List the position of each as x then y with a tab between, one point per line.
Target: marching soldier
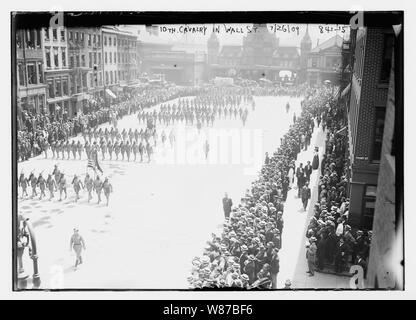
56	173
206	148
58	149
89	184
122	149
116	149
50	183
53	149
79	148
171	138
110	149
76	182
68	148
87	148
74	149
62	186
108	188
128	150
33	183
42	185
103	149
23	182
135	149
149	151
163	137
141	150
98	187
45	147
77	244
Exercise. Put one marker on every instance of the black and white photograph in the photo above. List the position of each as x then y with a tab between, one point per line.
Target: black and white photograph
207	151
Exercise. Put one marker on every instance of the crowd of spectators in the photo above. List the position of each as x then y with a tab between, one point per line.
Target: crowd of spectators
336	244
246	253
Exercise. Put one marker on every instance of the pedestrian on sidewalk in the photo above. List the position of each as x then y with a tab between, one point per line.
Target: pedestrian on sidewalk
311	256
77	244
274	267
306	195
227	203
315	161
308	170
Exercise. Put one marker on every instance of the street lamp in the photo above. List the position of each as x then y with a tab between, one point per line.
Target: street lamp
26	238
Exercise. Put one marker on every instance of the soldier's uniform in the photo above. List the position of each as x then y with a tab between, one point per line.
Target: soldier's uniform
98	187
103	149
79	148
74	149
128	150
42	185
23	182
53	149
108	188
89	184
122	149
62	186
68	148
77	187
51	185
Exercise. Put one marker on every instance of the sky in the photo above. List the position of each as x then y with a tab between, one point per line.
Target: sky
199	39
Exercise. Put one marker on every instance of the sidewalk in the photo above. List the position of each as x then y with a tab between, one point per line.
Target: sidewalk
293	264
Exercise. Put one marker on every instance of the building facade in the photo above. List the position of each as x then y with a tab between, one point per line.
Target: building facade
31	85
126	59
367	111
259	57
110	67
324	61
57	71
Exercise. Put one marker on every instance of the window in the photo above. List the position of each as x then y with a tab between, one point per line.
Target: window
105	41
21	72
387	56
48	56
115	56
111	57
89	40
369	204
77	61
105	57
55	34
98	40
83	60
95	57
71	61
40	73
94	39
314	62
58	87
118	57
38	44
56	57
99	58
106	77
380	113
91	80
82	37
65	86
115	77
114	41
51	89
46	31
90	59
100	79
63	54
111	76
62	35
31	73
76	36
84	81
71	35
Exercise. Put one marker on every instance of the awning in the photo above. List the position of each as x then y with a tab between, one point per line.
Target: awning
346	90
110	93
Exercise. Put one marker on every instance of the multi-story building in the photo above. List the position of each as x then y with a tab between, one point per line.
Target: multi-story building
126	58
57	72
367	113
260	56
323	61
31	87
110	67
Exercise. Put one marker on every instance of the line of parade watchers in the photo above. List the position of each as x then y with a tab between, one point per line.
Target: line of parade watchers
246	254
332	244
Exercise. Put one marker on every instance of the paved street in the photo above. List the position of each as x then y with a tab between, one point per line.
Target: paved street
128	245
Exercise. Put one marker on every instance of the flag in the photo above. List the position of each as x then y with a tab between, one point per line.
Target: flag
93	161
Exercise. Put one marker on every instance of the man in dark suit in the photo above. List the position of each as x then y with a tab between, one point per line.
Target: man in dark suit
227	203
300	175
306	195
308	170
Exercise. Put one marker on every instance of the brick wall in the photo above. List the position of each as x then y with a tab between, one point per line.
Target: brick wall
384	260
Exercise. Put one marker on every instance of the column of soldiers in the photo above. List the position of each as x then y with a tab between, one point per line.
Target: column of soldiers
202	110
126	143
57	181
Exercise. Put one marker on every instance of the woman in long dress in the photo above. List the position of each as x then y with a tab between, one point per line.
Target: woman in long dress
290	175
